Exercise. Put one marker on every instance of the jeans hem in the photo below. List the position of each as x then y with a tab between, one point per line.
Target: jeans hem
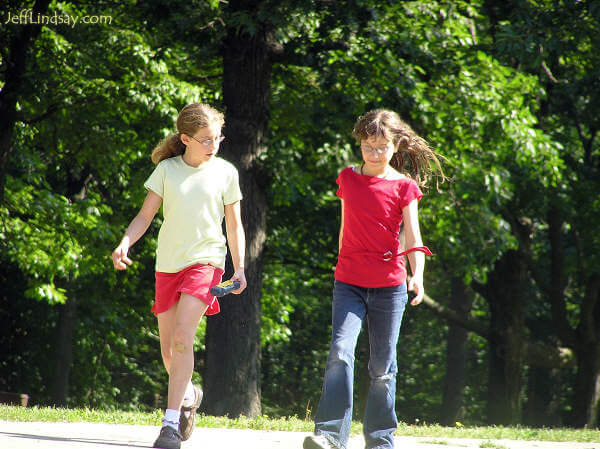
336	444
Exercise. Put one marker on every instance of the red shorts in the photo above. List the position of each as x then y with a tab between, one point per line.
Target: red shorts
195	280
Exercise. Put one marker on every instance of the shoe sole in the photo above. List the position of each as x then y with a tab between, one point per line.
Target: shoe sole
310	444
191	421
167	443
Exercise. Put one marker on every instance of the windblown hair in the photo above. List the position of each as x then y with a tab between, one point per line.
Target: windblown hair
191	118
414	157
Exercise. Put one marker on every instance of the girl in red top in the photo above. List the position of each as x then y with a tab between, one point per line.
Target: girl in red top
379	197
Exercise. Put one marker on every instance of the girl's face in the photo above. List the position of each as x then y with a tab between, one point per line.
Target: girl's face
205	142
377	151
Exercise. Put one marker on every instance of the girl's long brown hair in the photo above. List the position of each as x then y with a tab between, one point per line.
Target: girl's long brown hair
191	118
414	157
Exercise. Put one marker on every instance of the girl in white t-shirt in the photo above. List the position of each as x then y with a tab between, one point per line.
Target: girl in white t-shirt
197	190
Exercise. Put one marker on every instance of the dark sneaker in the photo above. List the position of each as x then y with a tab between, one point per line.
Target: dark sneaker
316	442
187	417
168	438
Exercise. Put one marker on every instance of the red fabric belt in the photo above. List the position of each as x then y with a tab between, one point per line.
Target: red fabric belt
388	255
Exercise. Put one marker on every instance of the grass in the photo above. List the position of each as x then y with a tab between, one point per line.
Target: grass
500	432
491	444
294	424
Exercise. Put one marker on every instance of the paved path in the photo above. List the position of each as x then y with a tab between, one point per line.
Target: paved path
20	435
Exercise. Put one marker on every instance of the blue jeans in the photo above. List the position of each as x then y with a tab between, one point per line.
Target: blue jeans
383	308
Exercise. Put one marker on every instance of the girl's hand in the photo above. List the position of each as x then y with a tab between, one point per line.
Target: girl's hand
241	278
119	256
416	284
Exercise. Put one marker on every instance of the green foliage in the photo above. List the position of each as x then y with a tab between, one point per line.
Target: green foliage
99	98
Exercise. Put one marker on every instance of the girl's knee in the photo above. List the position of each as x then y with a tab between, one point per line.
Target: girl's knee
382	372
385	377
182	341
341	353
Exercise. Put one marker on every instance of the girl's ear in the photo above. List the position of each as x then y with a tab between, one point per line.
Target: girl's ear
184	138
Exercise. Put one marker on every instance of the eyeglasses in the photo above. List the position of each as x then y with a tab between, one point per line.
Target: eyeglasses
209	142
380	150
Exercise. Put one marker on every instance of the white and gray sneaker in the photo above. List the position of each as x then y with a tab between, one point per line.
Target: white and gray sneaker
187	418
317	442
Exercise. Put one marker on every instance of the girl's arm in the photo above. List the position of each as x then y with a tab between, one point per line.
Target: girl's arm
412	238
341	229
236	240
136	229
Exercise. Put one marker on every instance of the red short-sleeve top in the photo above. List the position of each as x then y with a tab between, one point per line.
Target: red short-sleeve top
371	255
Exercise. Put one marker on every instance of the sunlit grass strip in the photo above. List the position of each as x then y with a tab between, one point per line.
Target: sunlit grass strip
52	414
293	424
288	424
500	432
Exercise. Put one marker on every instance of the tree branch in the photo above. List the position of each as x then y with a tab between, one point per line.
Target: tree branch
471	324
20	117
542	355
537	353
38	118
549	73
287	53
547	70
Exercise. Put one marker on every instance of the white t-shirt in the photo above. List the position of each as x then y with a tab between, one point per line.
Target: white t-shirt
193	210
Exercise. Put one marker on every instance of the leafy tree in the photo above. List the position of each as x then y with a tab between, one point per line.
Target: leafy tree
93	102
15	53
561	55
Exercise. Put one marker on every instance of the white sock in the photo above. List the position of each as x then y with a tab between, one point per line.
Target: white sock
190	395
171	418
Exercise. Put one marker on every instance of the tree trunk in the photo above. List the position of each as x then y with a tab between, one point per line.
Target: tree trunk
232	371
14	72
586	399
456	356
64	352
543	406
504	293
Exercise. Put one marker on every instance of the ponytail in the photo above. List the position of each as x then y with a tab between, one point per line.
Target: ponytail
416	158
169	147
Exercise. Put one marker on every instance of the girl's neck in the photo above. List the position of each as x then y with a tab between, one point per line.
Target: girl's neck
375	172
192	161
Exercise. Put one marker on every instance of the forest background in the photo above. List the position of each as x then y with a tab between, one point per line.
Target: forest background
508	92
